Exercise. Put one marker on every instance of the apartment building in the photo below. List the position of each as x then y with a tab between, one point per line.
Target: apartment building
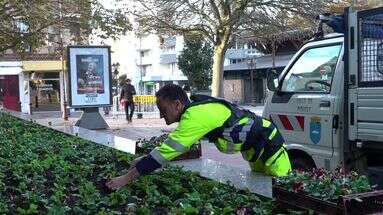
157	63
149	60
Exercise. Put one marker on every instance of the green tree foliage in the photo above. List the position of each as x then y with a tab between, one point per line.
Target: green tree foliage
40	22
196	61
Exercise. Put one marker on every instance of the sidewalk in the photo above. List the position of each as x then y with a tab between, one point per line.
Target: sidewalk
122	135
140	128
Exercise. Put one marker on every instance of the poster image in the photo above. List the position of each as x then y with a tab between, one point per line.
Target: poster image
90	74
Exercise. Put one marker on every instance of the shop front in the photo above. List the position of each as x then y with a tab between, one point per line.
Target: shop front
9	92
10	73
43	83
32	85
45	91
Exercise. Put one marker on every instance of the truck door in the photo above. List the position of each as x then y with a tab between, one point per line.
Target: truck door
303	108
364	75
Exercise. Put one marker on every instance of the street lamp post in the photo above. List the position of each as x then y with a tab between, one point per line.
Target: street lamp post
115	85
116	71
251	65
141	86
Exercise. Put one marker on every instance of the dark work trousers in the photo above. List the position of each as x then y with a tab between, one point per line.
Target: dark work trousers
129	105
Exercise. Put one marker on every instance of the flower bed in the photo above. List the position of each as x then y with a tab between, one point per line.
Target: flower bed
324	184
47	172
327	192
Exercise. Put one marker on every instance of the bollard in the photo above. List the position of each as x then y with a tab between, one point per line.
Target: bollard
30	108
139	115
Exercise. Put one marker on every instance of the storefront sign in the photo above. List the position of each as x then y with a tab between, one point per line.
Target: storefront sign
45	87
89	76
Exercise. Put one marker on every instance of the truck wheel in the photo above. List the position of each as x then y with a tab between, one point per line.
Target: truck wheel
301	163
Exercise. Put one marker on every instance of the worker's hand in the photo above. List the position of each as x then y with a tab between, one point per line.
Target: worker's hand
118	182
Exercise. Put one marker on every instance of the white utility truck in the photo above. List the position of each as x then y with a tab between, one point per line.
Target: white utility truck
328	101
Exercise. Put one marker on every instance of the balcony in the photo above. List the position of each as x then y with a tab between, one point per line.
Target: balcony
145	44
144	61
168	58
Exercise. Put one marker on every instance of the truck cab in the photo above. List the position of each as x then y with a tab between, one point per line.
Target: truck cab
307	103
328	101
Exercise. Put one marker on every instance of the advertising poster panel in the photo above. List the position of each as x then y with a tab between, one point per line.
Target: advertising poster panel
89	76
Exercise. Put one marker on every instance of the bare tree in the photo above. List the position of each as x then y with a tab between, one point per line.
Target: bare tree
221	21
28	22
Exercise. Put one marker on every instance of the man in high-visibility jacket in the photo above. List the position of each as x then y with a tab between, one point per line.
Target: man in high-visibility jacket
229	127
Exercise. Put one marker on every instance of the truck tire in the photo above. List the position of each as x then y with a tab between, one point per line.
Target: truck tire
302	163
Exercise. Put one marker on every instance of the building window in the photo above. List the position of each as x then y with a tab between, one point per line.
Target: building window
251	45
234	61
45	91
22	26
145	69
173	68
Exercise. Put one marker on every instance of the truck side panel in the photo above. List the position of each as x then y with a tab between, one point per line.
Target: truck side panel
365	80
370	114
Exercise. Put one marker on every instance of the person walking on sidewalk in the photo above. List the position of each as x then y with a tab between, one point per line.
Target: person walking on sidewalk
230	128
126	98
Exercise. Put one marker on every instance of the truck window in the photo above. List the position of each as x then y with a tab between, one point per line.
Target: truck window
313	71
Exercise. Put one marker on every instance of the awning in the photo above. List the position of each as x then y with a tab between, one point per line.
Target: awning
168	58
10	68
43	65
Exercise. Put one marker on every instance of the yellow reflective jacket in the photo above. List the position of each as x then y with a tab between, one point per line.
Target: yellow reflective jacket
229	127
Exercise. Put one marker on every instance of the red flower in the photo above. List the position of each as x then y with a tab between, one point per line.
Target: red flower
319	173
298	186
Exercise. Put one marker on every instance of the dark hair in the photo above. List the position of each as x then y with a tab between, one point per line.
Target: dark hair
127	80
173	92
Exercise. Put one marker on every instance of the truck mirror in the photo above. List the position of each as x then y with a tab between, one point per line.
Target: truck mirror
379	58
272	80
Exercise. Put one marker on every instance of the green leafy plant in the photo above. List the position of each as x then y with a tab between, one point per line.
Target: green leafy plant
145	146
48	172
325	184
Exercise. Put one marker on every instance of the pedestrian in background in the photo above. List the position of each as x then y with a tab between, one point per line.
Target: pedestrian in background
126	99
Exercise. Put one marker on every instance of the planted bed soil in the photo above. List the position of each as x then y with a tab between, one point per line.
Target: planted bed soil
43	171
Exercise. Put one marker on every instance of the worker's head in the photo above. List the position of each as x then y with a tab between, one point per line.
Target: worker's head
171	101
128	81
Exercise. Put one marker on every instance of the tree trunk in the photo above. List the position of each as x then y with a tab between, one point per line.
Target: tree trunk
218	60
